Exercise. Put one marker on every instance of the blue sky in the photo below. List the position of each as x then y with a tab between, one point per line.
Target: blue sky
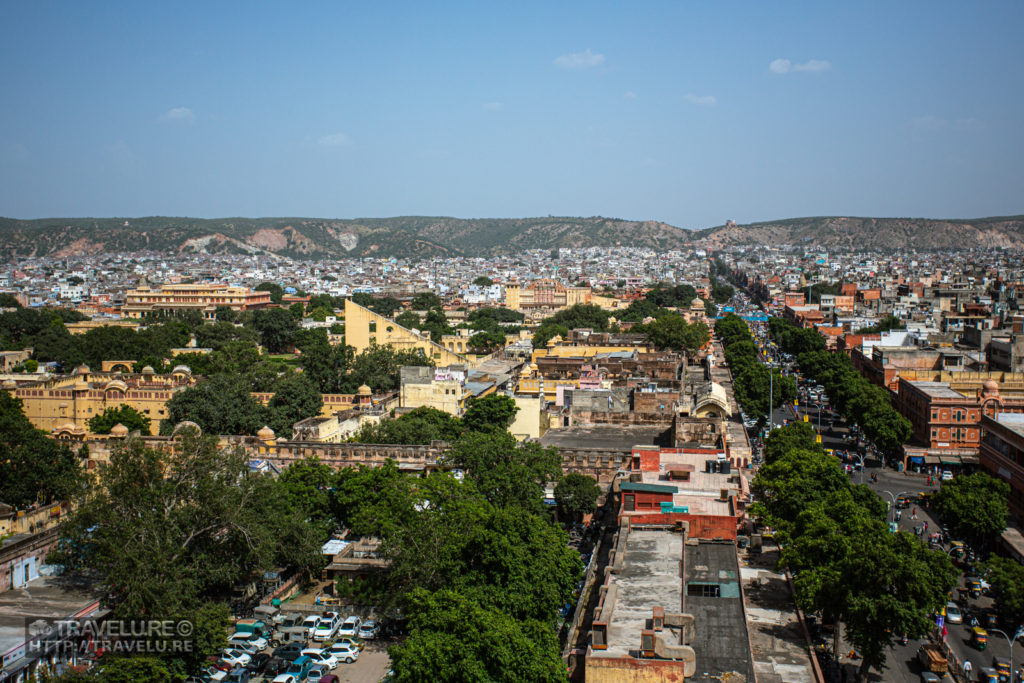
686	112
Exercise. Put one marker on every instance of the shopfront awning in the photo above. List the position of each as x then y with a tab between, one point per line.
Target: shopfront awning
950	459
932	460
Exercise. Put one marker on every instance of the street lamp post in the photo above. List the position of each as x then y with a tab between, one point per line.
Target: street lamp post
894	496
1009	642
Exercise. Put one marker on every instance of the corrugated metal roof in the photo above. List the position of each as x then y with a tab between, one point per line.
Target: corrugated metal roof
647	488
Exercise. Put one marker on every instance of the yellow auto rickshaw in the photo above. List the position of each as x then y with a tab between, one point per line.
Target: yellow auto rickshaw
979	637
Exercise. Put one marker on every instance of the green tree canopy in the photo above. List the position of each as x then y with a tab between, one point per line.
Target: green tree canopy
295	398
506	472
576	495
494	412
276	290
453	638
671	331
1006	576
276	328
419	426
169	530
122	414
220	404
33	467
483	281
974	506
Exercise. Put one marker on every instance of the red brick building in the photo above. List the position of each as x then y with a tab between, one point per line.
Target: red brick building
1002	454
944	418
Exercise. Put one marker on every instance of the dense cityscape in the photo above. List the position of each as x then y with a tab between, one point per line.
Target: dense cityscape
662	342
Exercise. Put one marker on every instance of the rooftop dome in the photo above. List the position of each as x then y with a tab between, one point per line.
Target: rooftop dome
364	391
116	384
119	430
148	370
990	387
82	369
181	368
67	427
265	433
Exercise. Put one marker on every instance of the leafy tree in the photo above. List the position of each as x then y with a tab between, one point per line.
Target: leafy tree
385	306
226	314
453	638
793	482
494	412
33	468
221	404
1006	576
671	331
478	318
8	300
297	311
220	334
123	414
576	495
307	485
419	426
408	319
168	530
276	290
295	398
276	327
483	281
506	472
380	367
889	322
975	506
640	309
792	437
425	301
671	296
487	342
547	330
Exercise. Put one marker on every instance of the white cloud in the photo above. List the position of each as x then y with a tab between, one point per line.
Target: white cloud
579	60
629	95
178	115
701	100
334	140
785	66
493	106
929	123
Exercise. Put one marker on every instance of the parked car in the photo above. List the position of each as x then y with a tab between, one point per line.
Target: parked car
236	657
310	624
351	627
258	662
214	674
289	652
242	638
326	627
348	640
947	475
344	652
275	666
370	629
286	678
317	673
298	669
239	675
321	657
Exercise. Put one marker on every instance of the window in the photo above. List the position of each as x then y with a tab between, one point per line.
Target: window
704	590
373	326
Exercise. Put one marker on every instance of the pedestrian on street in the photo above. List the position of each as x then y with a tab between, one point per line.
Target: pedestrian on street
967	669
899	513
926	526
913	513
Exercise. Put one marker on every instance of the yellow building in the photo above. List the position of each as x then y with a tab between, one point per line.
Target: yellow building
64	405
363	327
546	294
555	349
201	297
84	326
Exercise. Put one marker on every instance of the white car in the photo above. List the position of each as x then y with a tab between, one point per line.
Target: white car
316	672
255	640
236	657
321	657
351	627
369	630
947	475
326	627
216	674
344	652
953	614
310	624
285	678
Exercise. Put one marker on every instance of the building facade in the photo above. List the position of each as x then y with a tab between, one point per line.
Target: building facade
206	298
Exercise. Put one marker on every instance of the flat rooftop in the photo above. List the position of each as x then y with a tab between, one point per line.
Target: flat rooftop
45	597
712	579
610	437
650	577
1012	421
935	389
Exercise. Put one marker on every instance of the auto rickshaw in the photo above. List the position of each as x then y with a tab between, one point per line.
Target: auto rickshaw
974	586
1002	667
979	637
987	674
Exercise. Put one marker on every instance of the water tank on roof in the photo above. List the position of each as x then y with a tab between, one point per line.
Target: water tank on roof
724	466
